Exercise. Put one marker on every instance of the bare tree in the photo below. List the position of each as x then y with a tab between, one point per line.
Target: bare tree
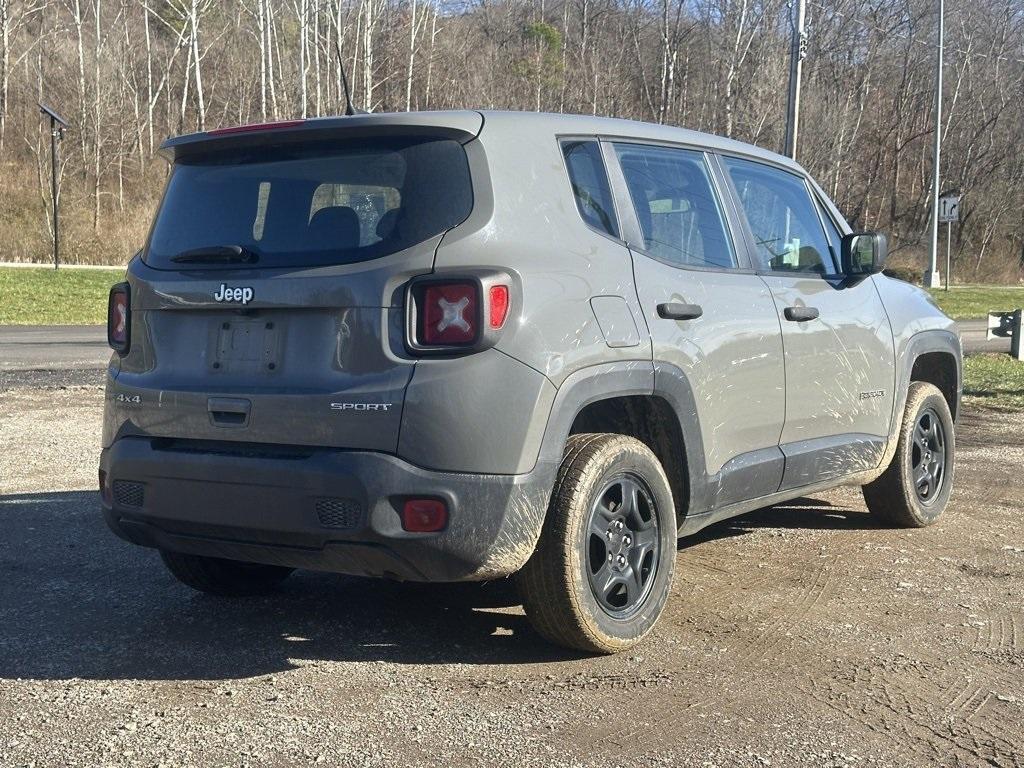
129	72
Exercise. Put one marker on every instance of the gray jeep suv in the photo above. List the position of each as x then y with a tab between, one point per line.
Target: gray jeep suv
464	345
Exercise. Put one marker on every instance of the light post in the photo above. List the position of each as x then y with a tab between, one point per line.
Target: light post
57	126
931	277
798	50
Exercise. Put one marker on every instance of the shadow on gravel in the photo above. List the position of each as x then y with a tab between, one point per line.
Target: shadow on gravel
806	514
76	602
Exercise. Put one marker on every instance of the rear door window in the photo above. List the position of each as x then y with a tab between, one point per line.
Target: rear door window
311	206
788	235
679	213
590	186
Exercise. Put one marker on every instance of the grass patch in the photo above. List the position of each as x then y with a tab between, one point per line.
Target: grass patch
966	301
994	381
55	297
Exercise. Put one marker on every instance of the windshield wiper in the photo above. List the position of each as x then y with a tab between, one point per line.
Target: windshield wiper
215	254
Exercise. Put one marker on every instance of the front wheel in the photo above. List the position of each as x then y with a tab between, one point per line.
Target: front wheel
914	490
225	578
601	574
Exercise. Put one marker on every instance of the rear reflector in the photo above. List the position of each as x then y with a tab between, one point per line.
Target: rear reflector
424	515
256	127
104	488
119	318
498	305
450	314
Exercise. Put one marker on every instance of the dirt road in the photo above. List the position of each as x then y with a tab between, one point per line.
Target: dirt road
802	634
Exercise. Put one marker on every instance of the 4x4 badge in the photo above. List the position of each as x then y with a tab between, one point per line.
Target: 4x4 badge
227	293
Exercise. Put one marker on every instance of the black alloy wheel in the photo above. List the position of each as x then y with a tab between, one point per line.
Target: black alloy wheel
623	546
928	456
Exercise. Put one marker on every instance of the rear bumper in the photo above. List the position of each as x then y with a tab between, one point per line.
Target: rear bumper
319	509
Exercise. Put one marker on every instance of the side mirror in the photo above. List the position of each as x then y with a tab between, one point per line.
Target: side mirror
864	253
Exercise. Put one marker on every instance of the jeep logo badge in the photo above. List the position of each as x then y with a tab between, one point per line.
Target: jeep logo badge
227	293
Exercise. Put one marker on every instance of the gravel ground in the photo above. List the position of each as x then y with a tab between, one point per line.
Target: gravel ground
803	634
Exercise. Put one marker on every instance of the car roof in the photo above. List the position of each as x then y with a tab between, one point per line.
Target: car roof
618	128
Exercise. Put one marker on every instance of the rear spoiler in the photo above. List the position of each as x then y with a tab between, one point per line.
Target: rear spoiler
462	126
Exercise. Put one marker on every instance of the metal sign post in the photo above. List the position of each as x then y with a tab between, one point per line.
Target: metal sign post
57	126
949	212
931	277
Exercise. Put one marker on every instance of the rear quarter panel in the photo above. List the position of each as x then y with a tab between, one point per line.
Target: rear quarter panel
489	413
534	230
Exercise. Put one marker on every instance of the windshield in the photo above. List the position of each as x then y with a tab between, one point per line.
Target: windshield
326	204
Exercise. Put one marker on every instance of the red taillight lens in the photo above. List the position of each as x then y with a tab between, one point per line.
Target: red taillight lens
498	296
424	515
119	318
449	314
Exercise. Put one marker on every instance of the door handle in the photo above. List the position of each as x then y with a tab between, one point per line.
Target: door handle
676	311
801	314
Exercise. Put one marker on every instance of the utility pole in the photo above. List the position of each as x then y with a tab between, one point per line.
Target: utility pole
57	126
931	277
797	52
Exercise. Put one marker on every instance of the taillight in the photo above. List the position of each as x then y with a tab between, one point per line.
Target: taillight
498	301
450	314
119	318
460	314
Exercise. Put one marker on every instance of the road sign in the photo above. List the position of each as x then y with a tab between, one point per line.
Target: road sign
949	209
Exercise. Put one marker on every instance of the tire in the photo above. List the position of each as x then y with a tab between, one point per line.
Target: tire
224	578
909	494
588	543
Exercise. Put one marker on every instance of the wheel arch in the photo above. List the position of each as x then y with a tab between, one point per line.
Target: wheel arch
940	369
651	403
934	357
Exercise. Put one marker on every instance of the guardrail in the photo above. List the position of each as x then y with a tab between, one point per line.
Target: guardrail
1002	325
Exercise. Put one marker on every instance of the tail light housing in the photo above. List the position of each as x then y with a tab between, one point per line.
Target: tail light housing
457	314
119	318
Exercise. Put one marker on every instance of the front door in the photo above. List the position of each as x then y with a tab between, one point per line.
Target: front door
712	321
835	332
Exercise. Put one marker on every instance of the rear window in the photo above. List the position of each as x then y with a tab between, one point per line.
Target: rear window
317	205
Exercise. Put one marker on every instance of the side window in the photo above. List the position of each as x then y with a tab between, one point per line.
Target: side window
679	215
781	214
590	185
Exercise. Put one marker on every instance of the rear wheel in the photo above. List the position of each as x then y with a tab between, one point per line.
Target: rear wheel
602	570
914	490
226	578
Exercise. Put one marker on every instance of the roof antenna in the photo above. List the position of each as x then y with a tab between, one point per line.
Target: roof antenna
350	109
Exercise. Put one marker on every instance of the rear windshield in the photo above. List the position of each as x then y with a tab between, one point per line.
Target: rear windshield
284	207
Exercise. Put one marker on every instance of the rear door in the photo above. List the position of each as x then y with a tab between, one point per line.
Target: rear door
267	306
835	332
711	319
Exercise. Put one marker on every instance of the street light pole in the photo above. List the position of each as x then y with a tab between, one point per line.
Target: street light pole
54	165
931	277
798	49
57	126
